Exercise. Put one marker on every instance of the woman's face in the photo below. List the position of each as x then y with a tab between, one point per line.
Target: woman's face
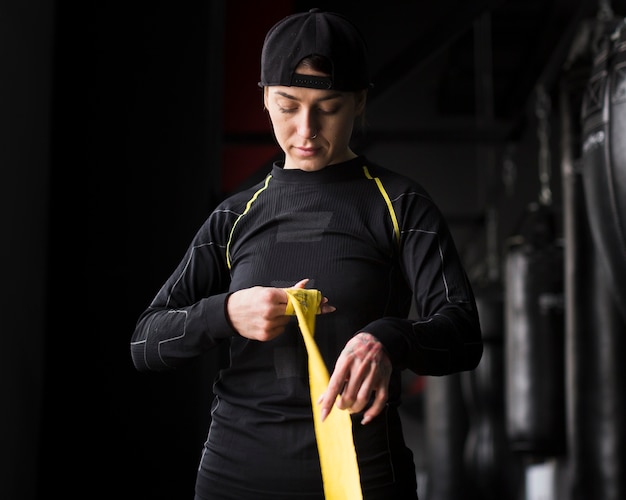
312	126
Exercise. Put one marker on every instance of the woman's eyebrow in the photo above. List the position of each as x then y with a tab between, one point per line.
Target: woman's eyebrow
326	97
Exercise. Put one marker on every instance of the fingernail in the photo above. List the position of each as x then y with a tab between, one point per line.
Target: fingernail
366	420
324	414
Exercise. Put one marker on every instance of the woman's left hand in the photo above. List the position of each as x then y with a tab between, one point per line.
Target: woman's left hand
362	369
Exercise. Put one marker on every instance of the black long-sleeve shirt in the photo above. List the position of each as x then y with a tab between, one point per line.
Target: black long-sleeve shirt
371	241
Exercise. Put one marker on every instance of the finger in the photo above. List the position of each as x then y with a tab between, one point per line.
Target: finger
272	327
368	387
325	307
379	403
335	385
301	283
326	402
283	300
357	391
328	398
372	384
281	308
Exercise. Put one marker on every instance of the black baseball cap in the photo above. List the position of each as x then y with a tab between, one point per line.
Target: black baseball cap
319	33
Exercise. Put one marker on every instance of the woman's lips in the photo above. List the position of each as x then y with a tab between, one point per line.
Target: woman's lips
307	151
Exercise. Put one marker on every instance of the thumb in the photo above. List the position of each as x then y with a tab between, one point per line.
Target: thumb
301	283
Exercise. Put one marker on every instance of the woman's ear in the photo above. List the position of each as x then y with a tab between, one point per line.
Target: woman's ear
265	98
361	99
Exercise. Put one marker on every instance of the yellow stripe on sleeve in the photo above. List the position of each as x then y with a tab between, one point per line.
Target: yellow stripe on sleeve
392	212
248	205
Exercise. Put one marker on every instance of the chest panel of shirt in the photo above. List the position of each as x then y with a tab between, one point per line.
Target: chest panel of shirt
329	229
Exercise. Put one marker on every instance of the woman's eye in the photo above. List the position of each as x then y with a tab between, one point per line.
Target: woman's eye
329	111
287	110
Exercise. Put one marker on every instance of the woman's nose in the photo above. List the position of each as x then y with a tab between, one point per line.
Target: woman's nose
307	125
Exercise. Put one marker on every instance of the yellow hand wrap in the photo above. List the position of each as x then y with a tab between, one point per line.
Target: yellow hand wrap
340	470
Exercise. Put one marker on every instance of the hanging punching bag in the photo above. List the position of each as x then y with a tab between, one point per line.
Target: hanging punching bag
492	471
599	389
446	430
534	337
604	157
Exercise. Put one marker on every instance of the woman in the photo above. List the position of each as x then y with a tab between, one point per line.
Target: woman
328	219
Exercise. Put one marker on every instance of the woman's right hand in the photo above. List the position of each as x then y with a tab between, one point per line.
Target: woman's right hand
258	313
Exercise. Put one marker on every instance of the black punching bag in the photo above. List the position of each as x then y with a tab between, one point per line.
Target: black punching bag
493	473
535	337
604	157
446	430
599	394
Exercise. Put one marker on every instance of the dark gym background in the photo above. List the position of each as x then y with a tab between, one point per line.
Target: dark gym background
122	124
